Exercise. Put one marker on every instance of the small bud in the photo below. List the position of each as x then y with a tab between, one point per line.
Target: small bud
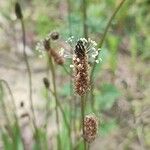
21	104
18	11
46	83
90	128
54	35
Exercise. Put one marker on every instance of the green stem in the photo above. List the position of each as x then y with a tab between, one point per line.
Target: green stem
82	120
88	146
28	70
85	29
47	109
58	104
69	17
101	44
30	80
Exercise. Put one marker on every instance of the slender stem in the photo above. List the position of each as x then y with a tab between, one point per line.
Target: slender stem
69	17
47	109
30	80
56	103
82	120
29	71
101	44
88	146
56	99
85	29
105	33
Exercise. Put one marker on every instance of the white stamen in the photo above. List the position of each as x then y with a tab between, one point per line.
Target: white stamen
97	61
71	66
94	43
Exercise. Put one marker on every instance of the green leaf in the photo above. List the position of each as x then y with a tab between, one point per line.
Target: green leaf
107	126
106	96
7	143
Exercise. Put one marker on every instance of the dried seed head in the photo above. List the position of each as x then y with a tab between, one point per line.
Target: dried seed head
46	82
90	128
54	35
81	77
18	11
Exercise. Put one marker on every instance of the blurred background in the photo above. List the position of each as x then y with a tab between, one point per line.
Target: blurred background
122	93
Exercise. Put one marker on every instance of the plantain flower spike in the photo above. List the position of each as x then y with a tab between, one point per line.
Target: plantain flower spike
90	128
81	76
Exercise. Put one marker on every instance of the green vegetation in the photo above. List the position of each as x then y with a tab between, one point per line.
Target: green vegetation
119	89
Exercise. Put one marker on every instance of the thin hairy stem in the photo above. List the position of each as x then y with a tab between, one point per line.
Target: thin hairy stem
85	29
82	116
101	44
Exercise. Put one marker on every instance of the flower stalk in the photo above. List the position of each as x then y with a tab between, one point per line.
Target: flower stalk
100	46
58	105
82	120
19	15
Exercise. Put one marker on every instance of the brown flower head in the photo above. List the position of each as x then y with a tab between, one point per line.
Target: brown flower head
81	76
82	52
90	128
